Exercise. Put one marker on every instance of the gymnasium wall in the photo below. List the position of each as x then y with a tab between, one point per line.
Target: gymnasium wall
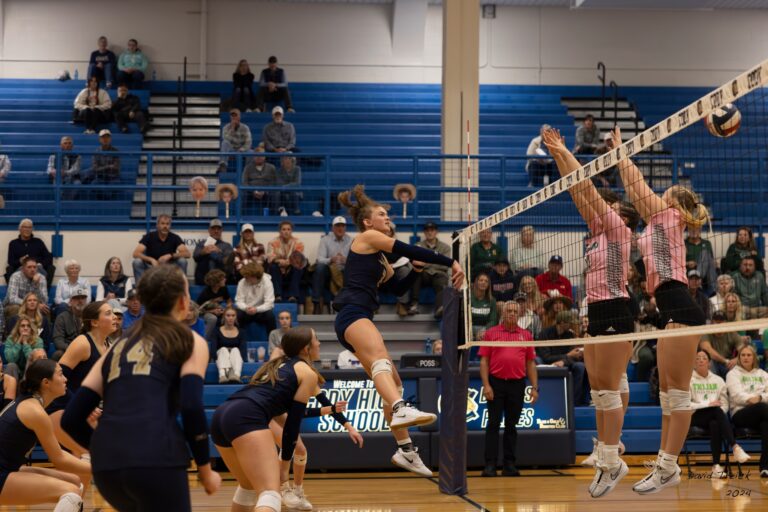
341	42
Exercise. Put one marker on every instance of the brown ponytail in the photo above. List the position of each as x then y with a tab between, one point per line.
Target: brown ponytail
293	342
363	208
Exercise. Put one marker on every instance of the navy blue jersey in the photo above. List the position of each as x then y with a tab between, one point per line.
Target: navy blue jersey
273	400
76	377
363	274
17	440
138	427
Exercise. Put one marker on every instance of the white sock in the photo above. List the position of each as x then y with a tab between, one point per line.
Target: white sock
611	455
600	451
659	456
69	502
668	463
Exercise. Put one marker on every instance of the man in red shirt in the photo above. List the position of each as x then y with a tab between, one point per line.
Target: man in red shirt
553	280
503	371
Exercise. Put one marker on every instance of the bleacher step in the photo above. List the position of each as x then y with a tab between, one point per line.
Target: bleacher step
191	109
207	121
212	132
172	99
188	144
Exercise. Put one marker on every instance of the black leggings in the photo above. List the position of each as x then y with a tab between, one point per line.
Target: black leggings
145	489
714	420
756	416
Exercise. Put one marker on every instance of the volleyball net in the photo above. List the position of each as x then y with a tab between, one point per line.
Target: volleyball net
536	251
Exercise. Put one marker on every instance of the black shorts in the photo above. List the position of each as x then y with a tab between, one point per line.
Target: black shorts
235	418
145	489
349	314
676	305
4	474
608	317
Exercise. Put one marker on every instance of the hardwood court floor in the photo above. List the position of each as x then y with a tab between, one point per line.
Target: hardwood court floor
563	490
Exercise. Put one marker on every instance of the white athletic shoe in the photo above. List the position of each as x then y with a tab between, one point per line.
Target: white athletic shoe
740	455
609	478
290	500
304	504
409	416
657	480
592	459
764	473
595	479
718	471
411	461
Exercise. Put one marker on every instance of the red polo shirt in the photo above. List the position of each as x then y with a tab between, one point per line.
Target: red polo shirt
507	362
561	284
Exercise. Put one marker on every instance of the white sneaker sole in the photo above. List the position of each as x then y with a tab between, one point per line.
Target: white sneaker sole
427	474
671	483
425	419
623	471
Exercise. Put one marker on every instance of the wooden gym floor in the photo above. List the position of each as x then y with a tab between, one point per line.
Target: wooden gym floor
542	490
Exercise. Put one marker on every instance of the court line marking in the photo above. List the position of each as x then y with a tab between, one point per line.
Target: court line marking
464	497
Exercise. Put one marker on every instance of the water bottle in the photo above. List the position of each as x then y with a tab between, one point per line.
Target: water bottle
428	346
77	74
154	75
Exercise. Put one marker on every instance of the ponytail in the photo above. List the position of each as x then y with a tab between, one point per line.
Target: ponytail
362	208
293	342
35	374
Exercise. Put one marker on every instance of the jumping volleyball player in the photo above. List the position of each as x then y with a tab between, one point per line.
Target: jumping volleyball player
138	451
23	423
367	269
608	310
663	252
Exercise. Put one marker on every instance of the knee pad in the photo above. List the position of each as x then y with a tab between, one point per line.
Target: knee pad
300	460
244	497
270	499
381	366
69	502
664	399
679	400
610	400
624	384
596	400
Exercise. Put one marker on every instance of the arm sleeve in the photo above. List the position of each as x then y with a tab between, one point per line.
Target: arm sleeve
193	418
400	286
326	402
419	253
75	419
291	429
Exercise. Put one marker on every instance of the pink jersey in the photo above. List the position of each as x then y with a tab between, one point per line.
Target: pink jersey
663	249
607	256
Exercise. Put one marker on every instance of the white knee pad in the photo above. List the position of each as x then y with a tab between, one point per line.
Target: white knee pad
610	399
244	497
69	502
624	384
381	366
596	400
679	400
271	499
664	399
300	460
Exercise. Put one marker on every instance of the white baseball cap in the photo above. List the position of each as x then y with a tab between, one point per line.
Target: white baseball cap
339	220
246	227
277	110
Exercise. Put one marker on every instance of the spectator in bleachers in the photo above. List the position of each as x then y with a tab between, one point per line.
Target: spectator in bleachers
243	97
527	259
160	246
255	298
649	318
285	254
551	282
571	357
127	109
539	169
132	66
31	308
68	324
433	276
69	285
276	335
196	324
724	286
700	256
748	397
526	318
721	347
8	385
20	344
273	87
534	299
743	246
709	401
214	298
5	166
105	167
698	295
279	136
329	269
118	311
502	282
114	284
211	253
749	285
553	306
402	268
483	306
133	309
587	137
289	176
26	244
228	346
235	136
70	166
92	106
608	177
102	64
437	347
484	252
733	309
248	250
23	281
260	173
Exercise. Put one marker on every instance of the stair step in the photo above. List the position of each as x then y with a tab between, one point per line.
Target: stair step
191	109
187	144
579	114
212	132
593	103
207	122
138	210
181	179
188	168
191	100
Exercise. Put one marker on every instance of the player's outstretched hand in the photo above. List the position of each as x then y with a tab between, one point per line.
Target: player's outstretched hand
457	275
210	479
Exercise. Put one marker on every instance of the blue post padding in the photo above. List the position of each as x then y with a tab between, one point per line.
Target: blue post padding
57	245
453	413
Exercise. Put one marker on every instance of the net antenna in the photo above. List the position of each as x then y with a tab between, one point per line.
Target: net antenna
747	82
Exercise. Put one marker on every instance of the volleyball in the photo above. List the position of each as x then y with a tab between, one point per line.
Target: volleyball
725	121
